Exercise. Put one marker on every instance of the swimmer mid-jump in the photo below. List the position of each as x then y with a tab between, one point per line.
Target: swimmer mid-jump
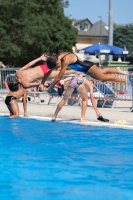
28	76
67	59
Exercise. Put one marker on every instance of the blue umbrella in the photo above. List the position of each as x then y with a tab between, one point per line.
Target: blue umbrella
117	50
96	49
104	49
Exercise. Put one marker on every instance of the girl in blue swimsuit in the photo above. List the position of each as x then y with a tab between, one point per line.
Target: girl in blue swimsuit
67	59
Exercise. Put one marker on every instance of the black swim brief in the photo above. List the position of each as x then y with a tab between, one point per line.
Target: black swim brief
9	99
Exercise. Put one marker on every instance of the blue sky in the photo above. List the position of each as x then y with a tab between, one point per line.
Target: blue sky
91	9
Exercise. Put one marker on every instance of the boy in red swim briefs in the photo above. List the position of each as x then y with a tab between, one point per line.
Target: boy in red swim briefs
28	77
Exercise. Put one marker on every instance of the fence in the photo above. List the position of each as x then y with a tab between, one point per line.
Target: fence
116	91
3	73
103	91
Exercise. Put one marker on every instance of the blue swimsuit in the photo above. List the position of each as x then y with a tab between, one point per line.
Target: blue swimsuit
78	68
79	65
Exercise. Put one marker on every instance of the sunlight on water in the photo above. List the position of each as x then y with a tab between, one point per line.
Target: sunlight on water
44	160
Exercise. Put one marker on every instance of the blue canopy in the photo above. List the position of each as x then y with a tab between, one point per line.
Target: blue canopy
117	50
104	49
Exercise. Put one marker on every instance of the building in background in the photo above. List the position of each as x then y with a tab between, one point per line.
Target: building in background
89	34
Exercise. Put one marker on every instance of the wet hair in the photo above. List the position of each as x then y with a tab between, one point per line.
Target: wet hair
51	61
13	85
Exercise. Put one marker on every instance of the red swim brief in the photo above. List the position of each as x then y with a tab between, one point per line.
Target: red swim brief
44	68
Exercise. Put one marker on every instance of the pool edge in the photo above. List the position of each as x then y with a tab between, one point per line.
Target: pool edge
90	123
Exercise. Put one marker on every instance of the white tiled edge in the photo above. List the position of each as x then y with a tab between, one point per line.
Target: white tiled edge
91	123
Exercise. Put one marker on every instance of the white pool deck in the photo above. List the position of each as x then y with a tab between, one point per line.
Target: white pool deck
71	114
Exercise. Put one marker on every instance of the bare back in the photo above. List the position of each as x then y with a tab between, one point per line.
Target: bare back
18	94
30	75
68	58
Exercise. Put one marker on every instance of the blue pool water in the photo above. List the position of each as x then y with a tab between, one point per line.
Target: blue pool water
63	161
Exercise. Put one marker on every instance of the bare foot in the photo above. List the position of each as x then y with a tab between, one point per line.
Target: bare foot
84	120
25	116
53	119
123	80
119	71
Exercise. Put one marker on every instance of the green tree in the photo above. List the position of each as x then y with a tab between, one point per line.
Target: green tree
123	36
30	28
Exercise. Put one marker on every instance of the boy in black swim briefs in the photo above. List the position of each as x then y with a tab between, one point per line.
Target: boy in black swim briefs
16	92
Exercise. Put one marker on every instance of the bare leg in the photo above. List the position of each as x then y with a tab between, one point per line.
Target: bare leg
68	93
116	70
98	74
82	91
10	109
14	109
55	73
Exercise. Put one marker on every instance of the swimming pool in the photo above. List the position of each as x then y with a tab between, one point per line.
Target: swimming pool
44	160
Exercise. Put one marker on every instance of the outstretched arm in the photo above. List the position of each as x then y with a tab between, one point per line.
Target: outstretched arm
59	76
41	58
57	79
46	76
41	86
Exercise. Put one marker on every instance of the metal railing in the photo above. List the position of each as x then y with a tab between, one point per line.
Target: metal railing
116	91
103	90
3	73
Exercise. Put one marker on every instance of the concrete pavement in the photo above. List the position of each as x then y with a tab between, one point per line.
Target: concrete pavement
72	113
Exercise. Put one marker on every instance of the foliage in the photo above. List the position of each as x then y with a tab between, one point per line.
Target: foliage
123	36
30	28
